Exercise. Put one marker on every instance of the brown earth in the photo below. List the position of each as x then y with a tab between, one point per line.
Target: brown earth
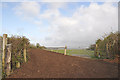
116	60
46	64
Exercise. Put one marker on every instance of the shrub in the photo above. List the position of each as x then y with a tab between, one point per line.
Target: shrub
17	45
112	41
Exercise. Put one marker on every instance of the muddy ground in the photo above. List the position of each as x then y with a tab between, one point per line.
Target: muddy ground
46	64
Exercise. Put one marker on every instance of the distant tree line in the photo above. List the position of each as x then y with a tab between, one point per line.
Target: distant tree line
91	47
37	46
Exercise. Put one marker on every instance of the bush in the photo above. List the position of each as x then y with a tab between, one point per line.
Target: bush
17	45
32	46
112	41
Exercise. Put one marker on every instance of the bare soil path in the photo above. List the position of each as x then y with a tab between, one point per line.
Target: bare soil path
46	64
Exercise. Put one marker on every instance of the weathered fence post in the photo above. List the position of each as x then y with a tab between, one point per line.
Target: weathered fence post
110	50
0	57
99	55
24	52
4	47
0	45
65	50
18	63
96	46
107	46
114	42
8	60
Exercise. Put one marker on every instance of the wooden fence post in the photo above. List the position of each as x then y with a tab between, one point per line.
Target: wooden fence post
107	50
18	63
96	46
0	58
65	50
114	42
0	45
24	52
110	50
4	47
8	60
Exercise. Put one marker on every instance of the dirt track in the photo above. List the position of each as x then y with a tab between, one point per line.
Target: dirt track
46	64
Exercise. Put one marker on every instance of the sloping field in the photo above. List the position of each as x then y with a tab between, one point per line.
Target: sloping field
46	64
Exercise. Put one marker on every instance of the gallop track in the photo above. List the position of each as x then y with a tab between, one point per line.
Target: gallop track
47	64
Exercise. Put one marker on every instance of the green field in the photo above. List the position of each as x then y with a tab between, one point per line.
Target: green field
77	52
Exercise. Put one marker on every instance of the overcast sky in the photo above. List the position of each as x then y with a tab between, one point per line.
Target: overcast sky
75	24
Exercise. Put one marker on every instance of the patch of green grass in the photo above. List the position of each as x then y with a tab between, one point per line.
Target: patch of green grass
81	52
58	51
76	51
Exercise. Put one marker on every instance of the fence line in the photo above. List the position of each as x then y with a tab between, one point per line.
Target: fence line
4	49
8	59
0	58
7	56
25	53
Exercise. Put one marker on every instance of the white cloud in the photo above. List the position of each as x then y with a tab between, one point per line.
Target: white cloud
53	10
60	0
81	29
28	10
79	0
50	13
84	27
